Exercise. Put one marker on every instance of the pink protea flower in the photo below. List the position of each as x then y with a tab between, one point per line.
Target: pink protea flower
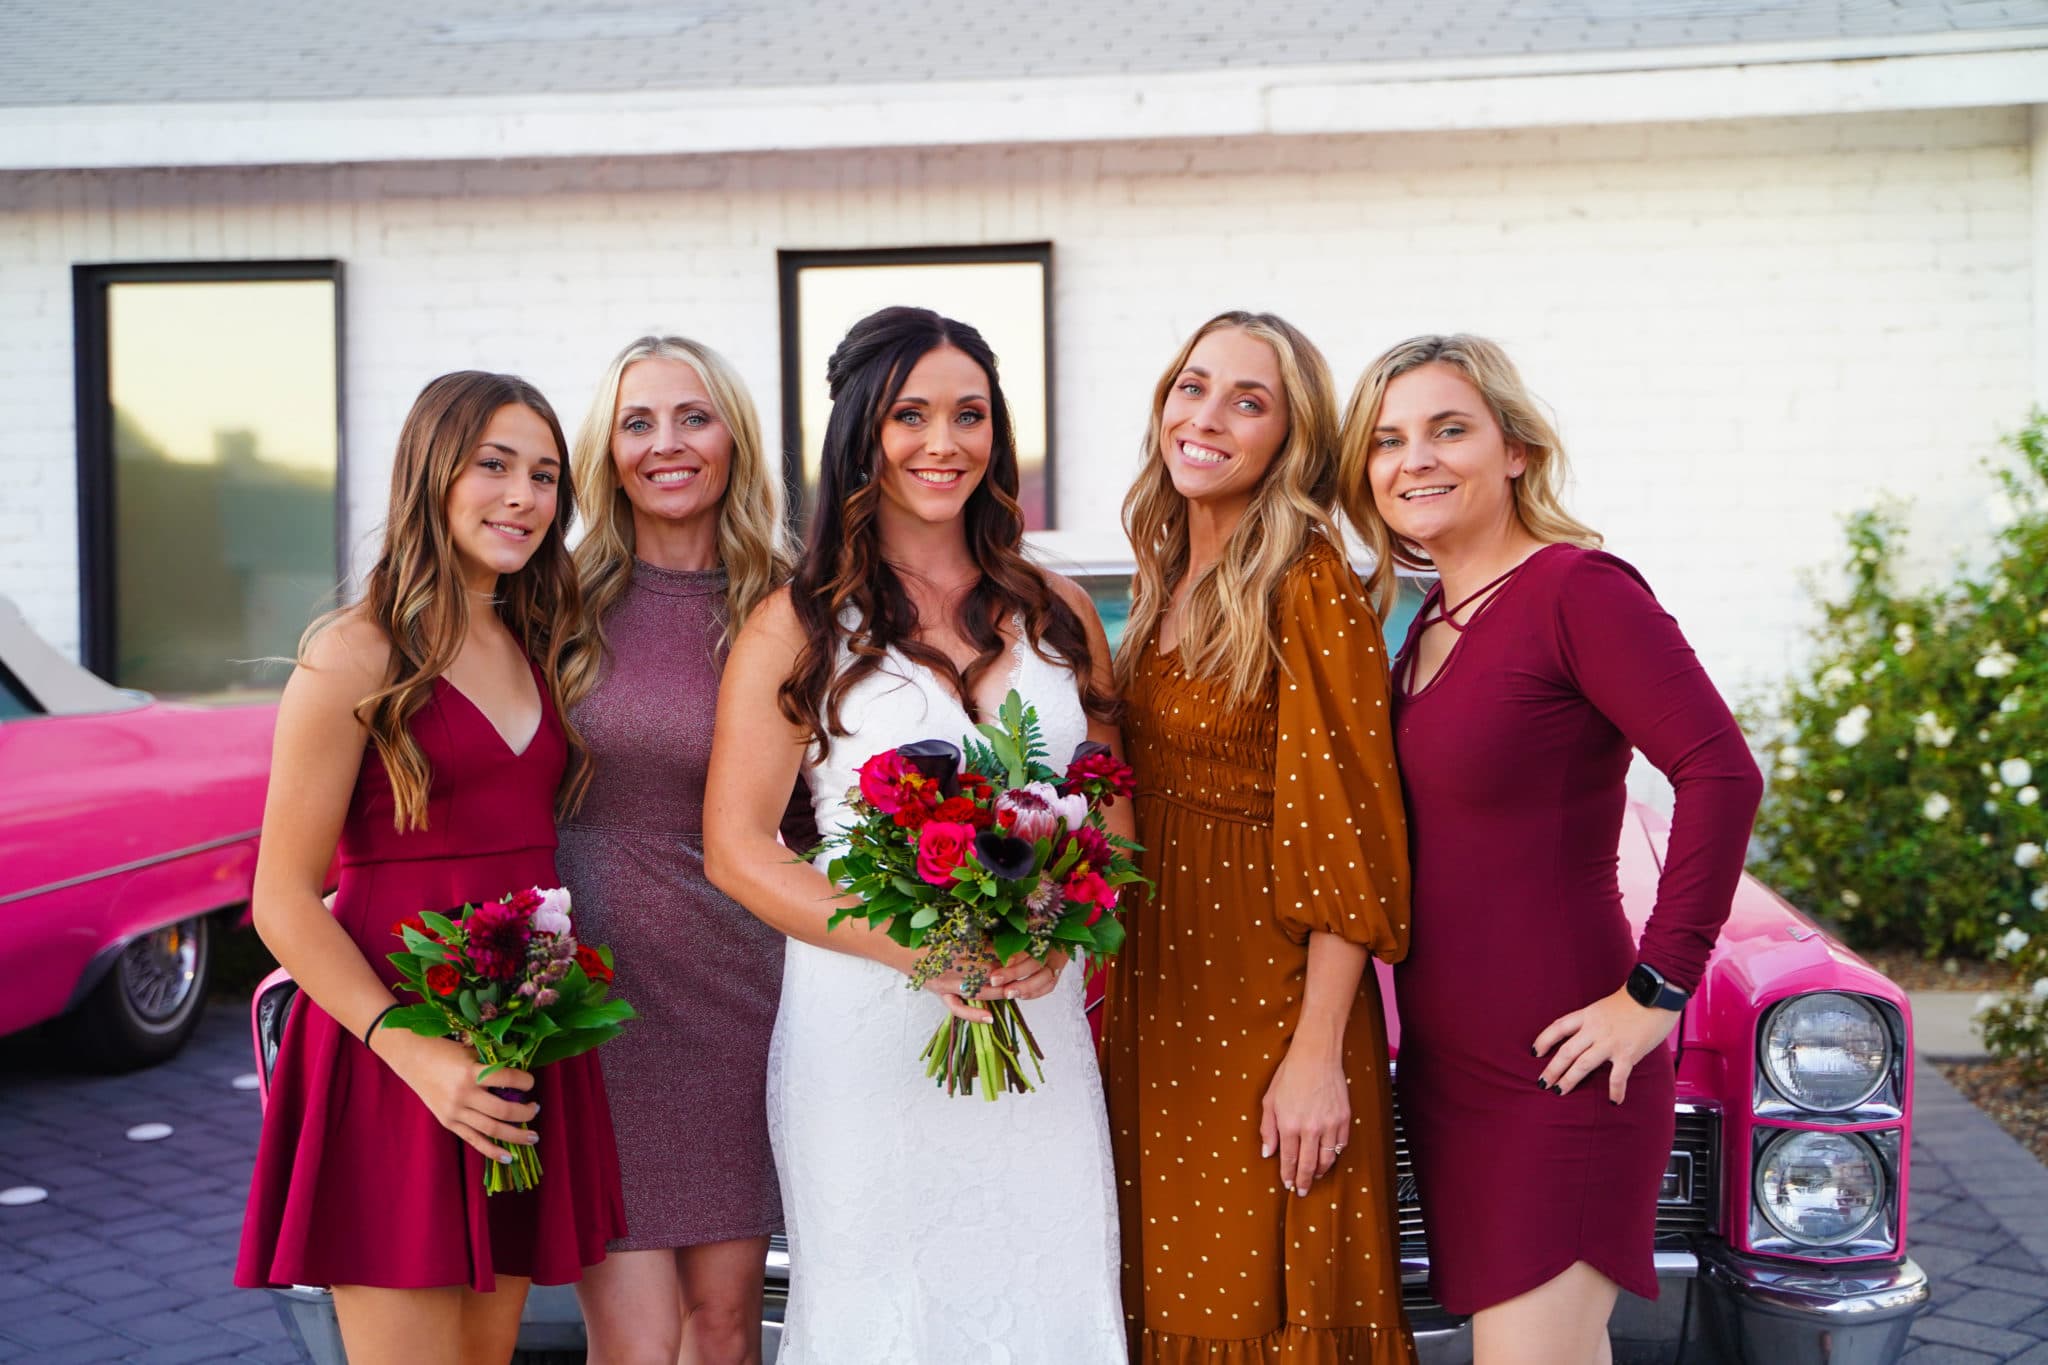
1037	808
498	935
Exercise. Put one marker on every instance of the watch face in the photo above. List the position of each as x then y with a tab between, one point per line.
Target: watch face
1647	988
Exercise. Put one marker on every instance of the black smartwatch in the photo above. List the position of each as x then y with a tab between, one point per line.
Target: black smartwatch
1647	987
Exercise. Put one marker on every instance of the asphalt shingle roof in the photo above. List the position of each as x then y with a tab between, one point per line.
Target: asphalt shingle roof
59	52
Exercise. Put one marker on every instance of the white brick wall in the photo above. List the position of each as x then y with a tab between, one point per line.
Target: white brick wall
1747	328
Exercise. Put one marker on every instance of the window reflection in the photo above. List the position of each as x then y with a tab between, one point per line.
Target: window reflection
224	455
1003	299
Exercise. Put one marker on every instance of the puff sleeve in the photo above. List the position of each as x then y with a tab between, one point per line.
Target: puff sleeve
1628	658
1340	838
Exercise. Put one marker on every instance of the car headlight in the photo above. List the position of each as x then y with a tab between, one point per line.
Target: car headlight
1820	1189
1827	1051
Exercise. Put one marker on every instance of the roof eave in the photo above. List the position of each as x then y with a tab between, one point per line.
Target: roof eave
2003	67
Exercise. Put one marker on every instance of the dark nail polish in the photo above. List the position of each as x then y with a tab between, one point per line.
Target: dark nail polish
1542	1084
1533	1052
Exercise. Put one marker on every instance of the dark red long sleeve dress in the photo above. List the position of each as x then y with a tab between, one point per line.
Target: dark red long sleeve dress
1513	759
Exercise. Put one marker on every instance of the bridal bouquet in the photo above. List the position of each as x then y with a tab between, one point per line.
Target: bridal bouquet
979	852
509	979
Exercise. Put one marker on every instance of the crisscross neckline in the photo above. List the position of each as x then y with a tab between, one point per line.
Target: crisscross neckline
1433	612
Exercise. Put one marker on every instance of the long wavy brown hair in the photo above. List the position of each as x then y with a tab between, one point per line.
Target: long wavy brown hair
414	592
753	544
1537	492
1230	622
846	592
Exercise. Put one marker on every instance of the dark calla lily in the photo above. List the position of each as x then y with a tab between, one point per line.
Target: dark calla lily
1088	748
1008	857
937	760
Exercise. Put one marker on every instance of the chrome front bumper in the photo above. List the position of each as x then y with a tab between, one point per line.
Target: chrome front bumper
1724	1309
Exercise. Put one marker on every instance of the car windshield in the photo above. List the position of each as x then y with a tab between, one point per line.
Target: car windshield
1112	596
14	698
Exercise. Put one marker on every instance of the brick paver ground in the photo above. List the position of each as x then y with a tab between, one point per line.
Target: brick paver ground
130	1257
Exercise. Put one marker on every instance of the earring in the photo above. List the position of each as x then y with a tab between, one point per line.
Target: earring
862	480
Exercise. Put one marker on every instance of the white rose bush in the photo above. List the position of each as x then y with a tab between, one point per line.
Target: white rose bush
1902	806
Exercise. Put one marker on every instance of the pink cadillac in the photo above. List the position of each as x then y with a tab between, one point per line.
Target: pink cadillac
127	841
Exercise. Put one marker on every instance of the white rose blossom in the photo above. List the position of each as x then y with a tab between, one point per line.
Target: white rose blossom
1935	807
2016	772
1835	795
1902	639
1928	729
1853	726
1996	663
2027	854
2040	991
2012	941
1851	899
2029	795
1835	679
2039	900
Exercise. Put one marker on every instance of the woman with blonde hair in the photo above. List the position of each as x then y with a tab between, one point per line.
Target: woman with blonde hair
1244	1047
1515	709
686	541
421	732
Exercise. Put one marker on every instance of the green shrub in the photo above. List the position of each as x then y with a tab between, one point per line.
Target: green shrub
2016	1024
1905	796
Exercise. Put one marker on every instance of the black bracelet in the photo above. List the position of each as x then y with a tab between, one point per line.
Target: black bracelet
373	1025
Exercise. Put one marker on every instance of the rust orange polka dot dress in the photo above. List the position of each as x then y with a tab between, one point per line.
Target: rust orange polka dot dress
1262	821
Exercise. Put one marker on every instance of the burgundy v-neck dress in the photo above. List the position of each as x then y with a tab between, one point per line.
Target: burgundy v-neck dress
1513	759
356	1182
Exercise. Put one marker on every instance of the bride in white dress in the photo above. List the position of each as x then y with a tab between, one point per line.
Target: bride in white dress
924	1229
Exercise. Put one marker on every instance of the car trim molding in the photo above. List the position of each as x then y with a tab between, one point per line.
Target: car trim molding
134	866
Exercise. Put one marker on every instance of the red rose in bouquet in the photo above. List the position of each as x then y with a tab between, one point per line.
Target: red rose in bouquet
594	967
941	847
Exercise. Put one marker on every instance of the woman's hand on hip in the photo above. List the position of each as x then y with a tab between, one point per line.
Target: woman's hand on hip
1306	1116
443	1073
1614	1031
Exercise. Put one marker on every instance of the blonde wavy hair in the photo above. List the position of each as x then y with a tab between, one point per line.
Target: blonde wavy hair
1230	624
1538	503
414	592
753	544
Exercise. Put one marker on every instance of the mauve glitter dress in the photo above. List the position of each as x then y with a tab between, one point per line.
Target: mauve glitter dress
687	1081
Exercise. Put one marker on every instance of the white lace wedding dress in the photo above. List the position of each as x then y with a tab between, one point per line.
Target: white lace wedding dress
928	1229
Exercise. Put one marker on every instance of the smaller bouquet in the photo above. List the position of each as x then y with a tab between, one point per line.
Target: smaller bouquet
977	853
509	979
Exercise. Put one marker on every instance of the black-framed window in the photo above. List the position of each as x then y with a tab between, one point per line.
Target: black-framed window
211	515
1003	291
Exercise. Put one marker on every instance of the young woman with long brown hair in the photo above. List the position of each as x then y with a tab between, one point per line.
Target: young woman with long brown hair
685	542
1536	665
925	1228
421	734
1244	1048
